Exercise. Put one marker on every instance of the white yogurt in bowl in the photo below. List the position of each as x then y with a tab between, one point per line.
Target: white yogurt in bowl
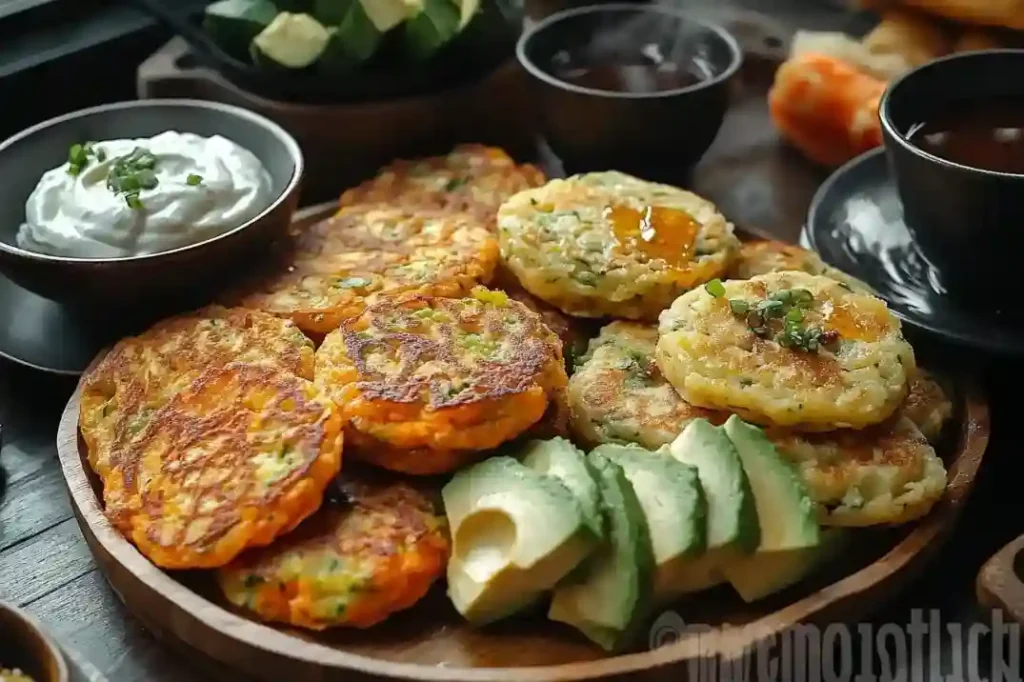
117	198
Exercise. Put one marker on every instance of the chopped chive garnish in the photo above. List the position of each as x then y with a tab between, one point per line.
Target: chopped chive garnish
131	174
194	179
715	288
787	305
78	157
739	306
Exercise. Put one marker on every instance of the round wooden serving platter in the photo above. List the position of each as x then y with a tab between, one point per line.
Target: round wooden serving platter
430	642
1000	582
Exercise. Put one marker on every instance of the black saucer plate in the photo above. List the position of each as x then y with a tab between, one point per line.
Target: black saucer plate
856	224
46	336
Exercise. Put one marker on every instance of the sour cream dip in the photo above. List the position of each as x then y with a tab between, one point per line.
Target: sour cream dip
118	198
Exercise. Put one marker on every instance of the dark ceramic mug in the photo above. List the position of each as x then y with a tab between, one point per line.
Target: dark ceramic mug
655	134
967	222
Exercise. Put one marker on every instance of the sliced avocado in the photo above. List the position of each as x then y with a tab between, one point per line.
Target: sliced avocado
430	27
764	573
291	41
732	515
487	30
467	11
232	24
610	597
383	15
515	533
561	459
351	43
674	508
785	512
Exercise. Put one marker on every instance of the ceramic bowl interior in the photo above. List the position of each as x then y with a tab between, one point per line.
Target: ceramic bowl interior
24	645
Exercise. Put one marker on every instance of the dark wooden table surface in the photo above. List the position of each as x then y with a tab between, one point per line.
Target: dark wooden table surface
46	567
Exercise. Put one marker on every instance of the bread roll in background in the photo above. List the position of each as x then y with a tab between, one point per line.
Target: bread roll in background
882	66
1000	13
914	36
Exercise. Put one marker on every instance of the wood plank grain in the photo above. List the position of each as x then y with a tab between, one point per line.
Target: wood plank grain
32	505
28	455
43	564
87	616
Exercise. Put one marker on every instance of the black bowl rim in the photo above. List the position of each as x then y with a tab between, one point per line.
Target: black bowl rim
893	133
33	625
285	138
623	7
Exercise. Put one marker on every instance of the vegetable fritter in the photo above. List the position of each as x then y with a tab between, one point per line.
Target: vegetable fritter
787	349
339	264
349	565
885	474
882	474
618	395
471	178
425	384
609	244
234	460
927	405
141	373
761	257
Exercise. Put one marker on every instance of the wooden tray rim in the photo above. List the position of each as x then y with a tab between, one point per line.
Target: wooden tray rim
200	614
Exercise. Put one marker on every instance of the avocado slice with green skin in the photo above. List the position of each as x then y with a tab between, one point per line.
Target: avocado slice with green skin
786	514
732	513
762	574
515	534
674	507
432	25
352	43
291	41
561	459
383	15
232	24
609	599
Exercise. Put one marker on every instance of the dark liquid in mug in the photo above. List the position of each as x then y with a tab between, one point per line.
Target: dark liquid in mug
986	134
619	63
638	78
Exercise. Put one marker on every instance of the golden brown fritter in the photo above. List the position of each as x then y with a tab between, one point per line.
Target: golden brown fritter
340	263
427	383
237	458
611	245
471	178
884	474
761	257
573	332
618	394
744	347
349	565
141	373
927	405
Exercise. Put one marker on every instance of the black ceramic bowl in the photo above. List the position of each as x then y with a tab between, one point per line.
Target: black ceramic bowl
652	133
146	281
966	221
24	645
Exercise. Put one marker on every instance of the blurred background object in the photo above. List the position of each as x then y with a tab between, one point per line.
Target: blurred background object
825	98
